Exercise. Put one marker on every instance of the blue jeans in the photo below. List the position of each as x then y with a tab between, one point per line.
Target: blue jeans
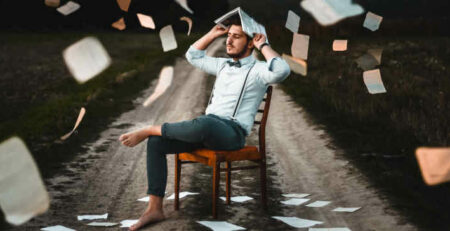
207	131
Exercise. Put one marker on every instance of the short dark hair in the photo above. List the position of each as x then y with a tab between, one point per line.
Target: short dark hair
235	20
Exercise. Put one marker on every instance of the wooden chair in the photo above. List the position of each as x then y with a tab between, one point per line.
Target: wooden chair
214	158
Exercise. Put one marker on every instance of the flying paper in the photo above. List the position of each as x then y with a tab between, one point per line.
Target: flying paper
376	53
80	117
22	192
298	222
184	4
300	44
86	59
373	81
119	24
297	195
434	164
127	223
189	21
298	66
318	204
339	45
146	21
57	228
181	195
52	3
168	38
329	229
165	79
68	8
293	21
372	21
295	201
220	225
92	217
348	210
103	224
124	4
367	62
238	199
328	12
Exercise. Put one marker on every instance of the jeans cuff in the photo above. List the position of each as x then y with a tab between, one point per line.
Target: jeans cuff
164	131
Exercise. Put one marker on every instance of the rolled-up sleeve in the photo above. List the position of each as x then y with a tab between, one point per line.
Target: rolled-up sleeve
199	59
276	70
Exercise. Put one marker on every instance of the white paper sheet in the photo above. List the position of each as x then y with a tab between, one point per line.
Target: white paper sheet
92	217
168	38
300	44
372	21
295	201
339	45
296	195
220	225
52	3
292	22
348	210
124	4
164	82
238	199
57	228
298	222
318	204
328	12
86	58
373	81
146	21
182	194
22	192
68	8
77	123
329	229
127	223
119	24
189	22
298	66
184	4
102	224
144	199
434	164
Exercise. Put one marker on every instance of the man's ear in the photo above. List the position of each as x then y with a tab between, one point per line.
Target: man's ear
250	44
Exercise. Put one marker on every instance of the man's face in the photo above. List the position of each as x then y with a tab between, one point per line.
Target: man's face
236	42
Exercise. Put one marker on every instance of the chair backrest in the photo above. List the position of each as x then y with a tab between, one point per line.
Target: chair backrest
262	123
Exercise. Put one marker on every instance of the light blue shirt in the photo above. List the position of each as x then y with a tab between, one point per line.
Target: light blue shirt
230	80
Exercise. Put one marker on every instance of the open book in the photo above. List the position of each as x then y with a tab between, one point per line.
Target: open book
249	25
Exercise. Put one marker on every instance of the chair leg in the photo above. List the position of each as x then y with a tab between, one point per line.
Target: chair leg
228	182
177	181
216	179
263	182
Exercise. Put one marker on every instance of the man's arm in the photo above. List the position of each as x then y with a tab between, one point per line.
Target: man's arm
196	55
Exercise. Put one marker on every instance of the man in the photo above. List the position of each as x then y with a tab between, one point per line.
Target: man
229	116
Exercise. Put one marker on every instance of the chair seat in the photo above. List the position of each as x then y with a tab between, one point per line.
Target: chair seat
208	156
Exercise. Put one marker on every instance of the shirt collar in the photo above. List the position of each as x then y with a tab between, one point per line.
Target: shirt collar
247	60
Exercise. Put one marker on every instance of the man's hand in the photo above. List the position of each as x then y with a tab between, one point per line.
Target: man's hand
258	40
218	31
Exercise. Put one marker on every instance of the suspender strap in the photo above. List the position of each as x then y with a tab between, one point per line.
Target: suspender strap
242	93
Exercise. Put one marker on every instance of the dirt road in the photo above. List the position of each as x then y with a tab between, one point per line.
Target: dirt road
109	178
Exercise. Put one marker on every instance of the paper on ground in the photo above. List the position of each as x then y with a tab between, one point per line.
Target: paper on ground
295	201
86	59
164	81
328	12
372	21
102	224
189	22
182	194
57	228
318	204
293	21
348	210
22	192
92	217
373	81
68	8
146	21
339	45
297	195
298	222
220	225
184	4
329	229
434	164
238	199
300	44
298	66
127	223
52	3
124	4
80	117
167	38
119	24
144	199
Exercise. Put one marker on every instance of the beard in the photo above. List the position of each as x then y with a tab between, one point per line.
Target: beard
239	54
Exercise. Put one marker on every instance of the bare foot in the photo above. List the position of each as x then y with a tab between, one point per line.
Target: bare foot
133	138
149	217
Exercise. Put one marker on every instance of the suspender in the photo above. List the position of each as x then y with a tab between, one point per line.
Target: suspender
238	103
